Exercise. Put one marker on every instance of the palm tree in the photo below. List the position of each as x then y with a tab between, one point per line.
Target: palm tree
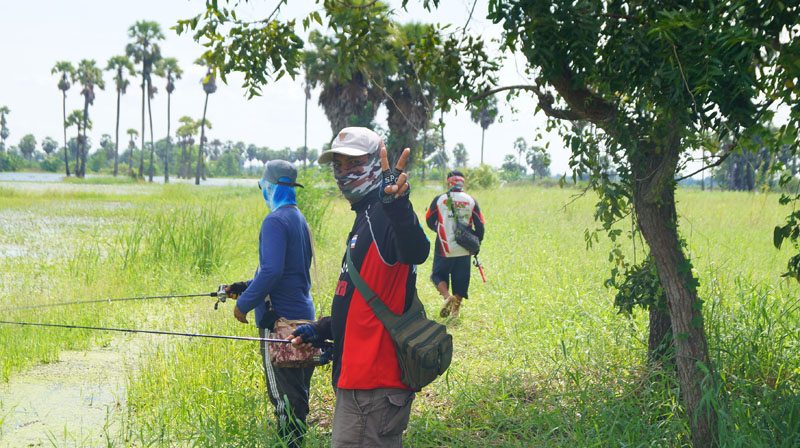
151	92
76	118
185	135
521	147
120	65
4	110
132	134
347	75
346	101
144	49
67	73
484	115
460	154
209	86
409	98
49	145
89	76
168	69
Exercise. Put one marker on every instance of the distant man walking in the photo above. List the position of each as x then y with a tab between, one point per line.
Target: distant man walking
451	267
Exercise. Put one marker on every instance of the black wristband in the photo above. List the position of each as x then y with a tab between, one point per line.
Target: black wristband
268	320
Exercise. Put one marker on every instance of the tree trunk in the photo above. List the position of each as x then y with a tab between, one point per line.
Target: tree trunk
169	144
660	338
152	144
141	152
116	135
654	200
200	149
78	153
305	137
483	133
83	151
703	173
182	170
66	147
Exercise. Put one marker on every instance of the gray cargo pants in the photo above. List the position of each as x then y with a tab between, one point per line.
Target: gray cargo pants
371	418
287	386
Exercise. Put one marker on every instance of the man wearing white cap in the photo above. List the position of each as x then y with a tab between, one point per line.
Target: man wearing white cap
385	244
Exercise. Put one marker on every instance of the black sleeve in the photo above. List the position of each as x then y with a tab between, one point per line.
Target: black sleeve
323	328
432	217
477	221
410	242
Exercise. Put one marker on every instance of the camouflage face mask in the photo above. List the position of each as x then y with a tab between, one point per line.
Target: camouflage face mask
358	179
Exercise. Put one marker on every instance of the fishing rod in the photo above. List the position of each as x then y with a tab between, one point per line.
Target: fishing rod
170	333
479	266
220	294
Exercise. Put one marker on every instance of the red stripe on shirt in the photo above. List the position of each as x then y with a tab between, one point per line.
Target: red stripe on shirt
369	359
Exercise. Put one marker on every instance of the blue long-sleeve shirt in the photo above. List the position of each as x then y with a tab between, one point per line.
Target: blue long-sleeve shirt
284	257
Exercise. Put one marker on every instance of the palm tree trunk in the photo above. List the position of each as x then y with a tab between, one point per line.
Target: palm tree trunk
66	150
200	150
78	153
188	161
182	169
169	145
83	144
116	139
305	136
152	144
703	173
483	133
141	152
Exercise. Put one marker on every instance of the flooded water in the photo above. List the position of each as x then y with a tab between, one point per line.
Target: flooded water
58	177
74	402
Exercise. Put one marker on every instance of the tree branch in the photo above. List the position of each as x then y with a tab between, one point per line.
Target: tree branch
581	100
717	163
545	101
348	5
623	16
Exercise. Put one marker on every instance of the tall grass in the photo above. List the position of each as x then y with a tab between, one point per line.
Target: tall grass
196	237
541	358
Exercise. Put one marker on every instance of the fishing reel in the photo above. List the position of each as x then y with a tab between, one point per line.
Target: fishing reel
222	295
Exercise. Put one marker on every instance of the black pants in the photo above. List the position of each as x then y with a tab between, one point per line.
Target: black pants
455	268
287	386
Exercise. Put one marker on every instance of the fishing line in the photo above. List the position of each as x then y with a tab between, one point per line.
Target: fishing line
80	302
170	333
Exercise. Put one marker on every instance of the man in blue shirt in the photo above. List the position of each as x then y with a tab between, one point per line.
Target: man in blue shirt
281	289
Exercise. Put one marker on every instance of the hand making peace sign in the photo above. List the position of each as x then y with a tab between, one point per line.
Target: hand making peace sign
394	182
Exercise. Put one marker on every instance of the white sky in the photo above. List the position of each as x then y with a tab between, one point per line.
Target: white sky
36	34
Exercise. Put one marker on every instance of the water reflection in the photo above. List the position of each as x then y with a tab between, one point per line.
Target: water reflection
57	177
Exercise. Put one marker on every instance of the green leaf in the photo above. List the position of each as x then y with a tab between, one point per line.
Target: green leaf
777	237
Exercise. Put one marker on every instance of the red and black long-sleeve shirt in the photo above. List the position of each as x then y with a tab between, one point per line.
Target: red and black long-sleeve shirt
440	219
386	243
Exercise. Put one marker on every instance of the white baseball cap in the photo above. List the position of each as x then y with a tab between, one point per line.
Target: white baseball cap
353	142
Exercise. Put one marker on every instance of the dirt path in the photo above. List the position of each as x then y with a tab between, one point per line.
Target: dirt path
73	402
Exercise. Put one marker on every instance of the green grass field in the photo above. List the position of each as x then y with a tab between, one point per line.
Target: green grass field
541	356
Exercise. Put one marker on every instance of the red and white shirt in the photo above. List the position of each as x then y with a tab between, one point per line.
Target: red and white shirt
440	219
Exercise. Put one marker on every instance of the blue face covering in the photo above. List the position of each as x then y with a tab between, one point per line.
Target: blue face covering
276	196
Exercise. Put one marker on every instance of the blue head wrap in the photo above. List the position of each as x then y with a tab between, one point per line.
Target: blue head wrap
276	196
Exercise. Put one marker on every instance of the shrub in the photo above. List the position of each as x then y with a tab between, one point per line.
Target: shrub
9	161
52	163
483	176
